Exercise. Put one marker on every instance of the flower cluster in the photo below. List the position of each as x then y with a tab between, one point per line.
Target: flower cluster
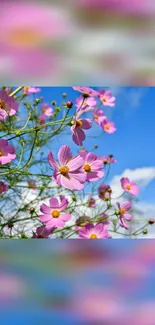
66	213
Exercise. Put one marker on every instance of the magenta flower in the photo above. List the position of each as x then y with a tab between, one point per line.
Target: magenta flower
108	126
3	187
91	202
98	116
78	134
126	206
87	91
31	25
68	172
106	98
54	215
42	119
130	187
108	160
46	110
92	166
104	192
31	90
7	152
8	105
91	231
43	232
85	104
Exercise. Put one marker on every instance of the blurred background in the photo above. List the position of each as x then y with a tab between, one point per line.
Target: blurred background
77	42
58	282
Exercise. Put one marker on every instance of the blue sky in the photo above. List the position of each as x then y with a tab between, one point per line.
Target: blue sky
132	144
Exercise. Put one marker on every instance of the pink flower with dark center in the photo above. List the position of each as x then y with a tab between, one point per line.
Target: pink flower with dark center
67	172
108	160
7	152
97	231
43	232
79	125
128	186
126	206
107	126
31	90
92	166
98	116
8	105
85	104
106	98
91	202
86	91
104	192
3	187
55	215
46	109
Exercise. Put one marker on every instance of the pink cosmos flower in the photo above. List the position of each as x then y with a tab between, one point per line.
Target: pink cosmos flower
8	105
43	232
87	91
98	116
31	90
108	160
91	231
7	152
68	172
3	187
46	110
42	119
32	184
78	134
91	202
30	25
54	215
106	98
128	186
104	192
126	206
85	104
92	166
107	126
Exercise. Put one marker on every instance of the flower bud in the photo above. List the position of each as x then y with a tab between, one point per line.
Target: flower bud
117	212
145	232
69	104
82	221
64	95
151	221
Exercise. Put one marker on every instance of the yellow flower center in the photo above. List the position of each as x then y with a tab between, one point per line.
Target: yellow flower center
107	127
78	123
102	192
93	236
87	168
2	104
104	99
128	187
24	37
122	211
64	170
96	117
44	110
1	153
55	214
